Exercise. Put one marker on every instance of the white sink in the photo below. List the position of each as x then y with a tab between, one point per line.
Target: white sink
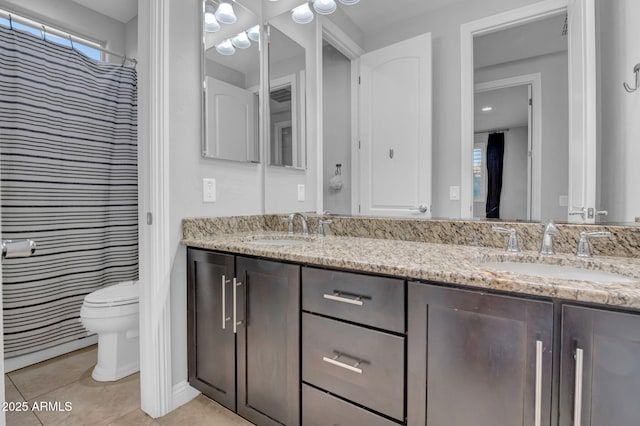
277	242
560	272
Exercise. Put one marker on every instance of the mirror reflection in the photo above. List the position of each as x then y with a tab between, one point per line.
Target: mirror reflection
231	76
286	101
521	114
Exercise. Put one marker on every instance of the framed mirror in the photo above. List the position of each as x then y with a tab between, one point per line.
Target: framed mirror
231	84
287	99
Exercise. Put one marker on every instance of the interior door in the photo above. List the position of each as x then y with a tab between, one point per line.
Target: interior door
395	129
231	111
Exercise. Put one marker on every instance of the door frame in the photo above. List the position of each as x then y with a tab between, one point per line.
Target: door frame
534	190
339	39
582	94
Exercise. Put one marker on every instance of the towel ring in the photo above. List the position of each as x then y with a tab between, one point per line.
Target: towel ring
44	33
10	22
636	71
71	42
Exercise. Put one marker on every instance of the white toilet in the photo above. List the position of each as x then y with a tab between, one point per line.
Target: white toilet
112	313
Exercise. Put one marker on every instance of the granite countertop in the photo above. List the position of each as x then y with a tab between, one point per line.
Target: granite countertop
445	263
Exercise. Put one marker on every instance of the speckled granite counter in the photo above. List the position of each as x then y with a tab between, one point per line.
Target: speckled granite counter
446	263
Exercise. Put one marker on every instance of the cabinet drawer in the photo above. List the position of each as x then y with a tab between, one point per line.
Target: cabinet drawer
361	365
321	409
374	301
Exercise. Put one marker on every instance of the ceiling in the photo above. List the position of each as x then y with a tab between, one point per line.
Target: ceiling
120	10
510	108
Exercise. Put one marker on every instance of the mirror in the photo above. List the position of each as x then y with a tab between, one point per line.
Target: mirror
287	133
231	86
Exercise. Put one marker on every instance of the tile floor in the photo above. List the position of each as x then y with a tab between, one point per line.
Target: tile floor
68	379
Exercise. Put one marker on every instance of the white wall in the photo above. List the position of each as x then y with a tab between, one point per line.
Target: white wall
619	111
131	38
238	184
555	130
336	124
444	25
74	18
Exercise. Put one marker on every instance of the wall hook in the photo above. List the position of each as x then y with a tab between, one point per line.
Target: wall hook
630	89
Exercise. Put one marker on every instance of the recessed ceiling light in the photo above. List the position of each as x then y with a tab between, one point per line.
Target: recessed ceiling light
487	109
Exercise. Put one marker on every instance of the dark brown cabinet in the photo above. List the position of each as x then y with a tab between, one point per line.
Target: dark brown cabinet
599	368
244	327
211	341
477	359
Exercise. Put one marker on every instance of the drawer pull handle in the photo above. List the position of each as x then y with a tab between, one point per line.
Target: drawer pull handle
334	361
577	405
338	297
538	400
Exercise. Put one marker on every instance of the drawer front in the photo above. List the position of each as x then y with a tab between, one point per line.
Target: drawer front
374	301
361	365
321	409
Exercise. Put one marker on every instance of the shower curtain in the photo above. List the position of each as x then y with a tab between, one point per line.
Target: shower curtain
495	160
68	148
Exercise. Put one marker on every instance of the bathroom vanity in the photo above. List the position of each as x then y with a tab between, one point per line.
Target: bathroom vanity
343	330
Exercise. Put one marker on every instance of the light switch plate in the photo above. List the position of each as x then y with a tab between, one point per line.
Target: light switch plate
301	192
454	193
563	201
208	190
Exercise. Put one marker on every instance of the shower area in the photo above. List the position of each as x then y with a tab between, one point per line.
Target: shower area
68	165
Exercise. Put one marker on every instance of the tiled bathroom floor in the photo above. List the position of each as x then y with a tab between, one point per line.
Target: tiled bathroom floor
68	379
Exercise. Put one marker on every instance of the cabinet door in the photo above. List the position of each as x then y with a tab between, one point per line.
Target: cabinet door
268	342
477	359
600	368
211	342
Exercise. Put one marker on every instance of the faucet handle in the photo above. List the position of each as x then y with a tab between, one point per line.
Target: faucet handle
512	245
583	249
321	224
289	220
550	228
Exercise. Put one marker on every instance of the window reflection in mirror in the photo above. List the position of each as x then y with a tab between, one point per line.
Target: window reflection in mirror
286	101
231	76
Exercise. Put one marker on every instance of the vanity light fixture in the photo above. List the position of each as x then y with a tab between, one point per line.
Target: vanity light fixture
324	7
241	41
225	48
211	24
487	109
225	13
302	14
254	33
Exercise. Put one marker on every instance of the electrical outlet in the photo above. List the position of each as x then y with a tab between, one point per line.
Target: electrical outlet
301	192
208	190
454	193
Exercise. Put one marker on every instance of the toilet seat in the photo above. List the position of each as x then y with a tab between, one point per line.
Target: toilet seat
116	295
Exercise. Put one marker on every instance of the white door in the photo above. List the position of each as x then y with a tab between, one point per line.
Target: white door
230	109
395	129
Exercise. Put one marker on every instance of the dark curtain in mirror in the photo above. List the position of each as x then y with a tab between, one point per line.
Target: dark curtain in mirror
495	161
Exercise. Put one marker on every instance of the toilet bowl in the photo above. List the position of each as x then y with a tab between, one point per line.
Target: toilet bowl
112	313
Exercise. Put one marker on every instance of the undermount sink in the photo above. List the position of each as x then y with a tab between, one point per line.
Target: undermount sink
281	241
561	272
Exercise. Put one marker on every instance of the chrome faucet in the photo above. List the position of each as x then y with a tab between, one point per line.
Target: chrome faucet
512	245
583	249
291	218
547	239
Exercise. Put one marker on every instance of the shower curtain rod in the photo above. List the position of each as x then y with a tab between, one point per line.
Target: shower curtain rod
491	131
46	29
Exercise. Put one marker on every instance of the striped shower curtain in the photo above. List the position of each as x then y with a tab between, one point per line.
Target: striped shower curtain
68	149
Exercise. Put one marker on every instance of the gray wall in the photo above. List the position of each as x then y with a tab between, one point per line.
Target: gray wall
336	98
619	111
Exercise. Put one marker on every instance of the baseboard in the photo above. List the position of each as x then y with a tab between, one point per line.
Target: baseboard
18	362
183	393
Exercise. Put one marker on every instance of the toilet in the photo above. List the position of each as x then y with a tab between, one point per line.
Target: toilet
112	313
